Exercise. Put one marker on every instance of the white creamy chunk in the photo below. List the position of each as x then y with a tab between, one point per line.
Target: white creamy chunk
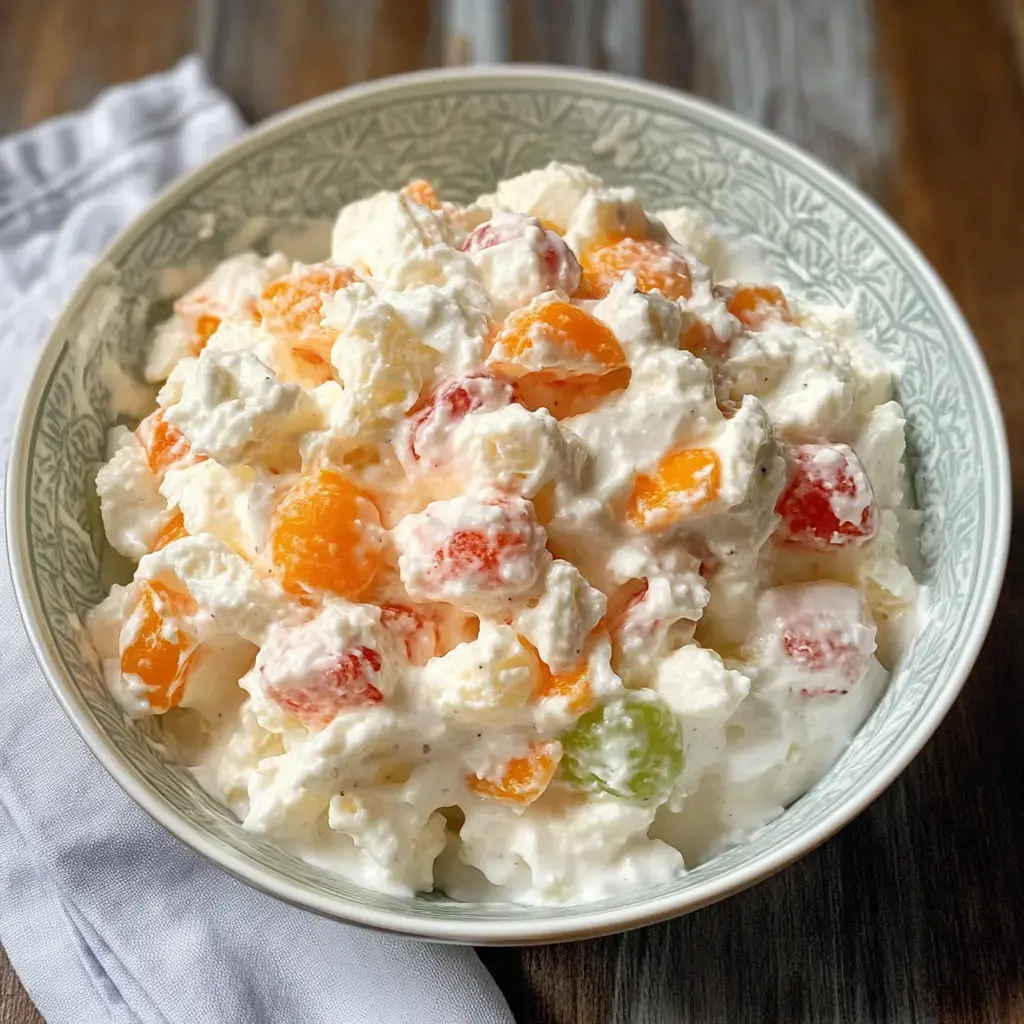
640	320
515	450
224	585
486	681
704	694
438	294
230	765
581	851
393	828
374	235
519	259
231	290
552	194
291	790
232	407
213	499
803	377
134	511
559	621
658	620
382	366
881	445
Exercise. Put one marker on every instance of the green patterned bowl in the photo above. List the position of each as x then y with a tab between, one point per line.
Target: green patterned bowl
464	130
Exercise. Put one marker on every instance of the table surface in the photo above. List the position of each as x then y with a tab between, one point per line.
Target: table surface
915	911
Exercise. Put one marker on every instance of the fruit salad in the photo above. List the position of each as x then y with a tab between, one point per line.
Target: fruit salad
533	550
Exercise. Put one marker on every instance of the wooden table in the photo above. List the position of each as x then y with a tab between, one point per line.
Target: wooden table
915	912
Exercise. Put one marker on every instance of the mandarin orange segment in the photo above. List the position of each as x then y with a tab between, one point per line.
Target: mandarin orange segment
571	397
173	529
684	482
292	307
325	535
421	191
153	645
699	337
573	685
693	335
755	304
574	335
206	324
165	444
523	779
657	268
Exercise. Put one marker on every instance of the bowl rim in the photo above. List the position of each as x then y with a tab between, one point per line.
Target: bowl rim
586	924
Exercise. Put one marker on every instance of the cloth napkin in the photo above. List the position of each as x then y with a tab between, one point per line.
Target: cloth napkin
105	916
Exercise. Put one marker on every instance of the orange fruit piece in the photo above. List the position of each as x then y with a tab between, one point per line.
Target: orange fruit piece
684	482
657	268
154	647
523	779
573	685
421	191
206	324
173	529
325	535
571	397
292	307
755	304
165	444
698	336
583	342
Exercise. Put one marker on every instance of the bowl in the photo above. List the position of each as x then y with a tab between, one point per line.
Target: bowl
463	130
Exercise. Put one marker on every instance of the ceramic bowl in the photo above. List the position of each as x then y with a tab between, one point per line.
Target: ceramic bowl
464	130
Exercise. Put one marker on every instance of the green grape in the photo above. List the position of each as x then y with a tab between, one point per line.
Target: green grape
631	748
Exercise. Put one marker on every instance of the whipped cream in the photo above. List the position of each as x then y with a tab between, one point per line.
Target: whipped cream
533	550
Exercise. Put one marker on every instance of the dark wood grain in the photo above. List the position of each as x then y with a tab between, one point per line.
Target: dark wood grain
15	1005
269	55
915	912
56	55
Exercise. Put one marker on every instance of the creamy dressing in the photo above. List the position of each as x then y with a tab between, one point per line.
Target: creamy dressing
437	602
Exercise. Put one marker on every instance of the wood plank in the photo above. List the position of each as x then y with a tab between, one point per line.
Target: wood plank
15	1005
58	54
269	56
960	189
960	195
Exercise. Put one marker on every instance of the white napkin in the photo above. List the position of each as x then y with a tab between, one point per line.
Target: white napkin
104	915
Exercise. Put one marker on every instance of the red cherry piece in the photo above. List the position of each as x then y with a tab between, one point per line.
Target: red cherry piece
418	635
818	644
453	400
828	501
465	551
561	268
468	552
348	683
